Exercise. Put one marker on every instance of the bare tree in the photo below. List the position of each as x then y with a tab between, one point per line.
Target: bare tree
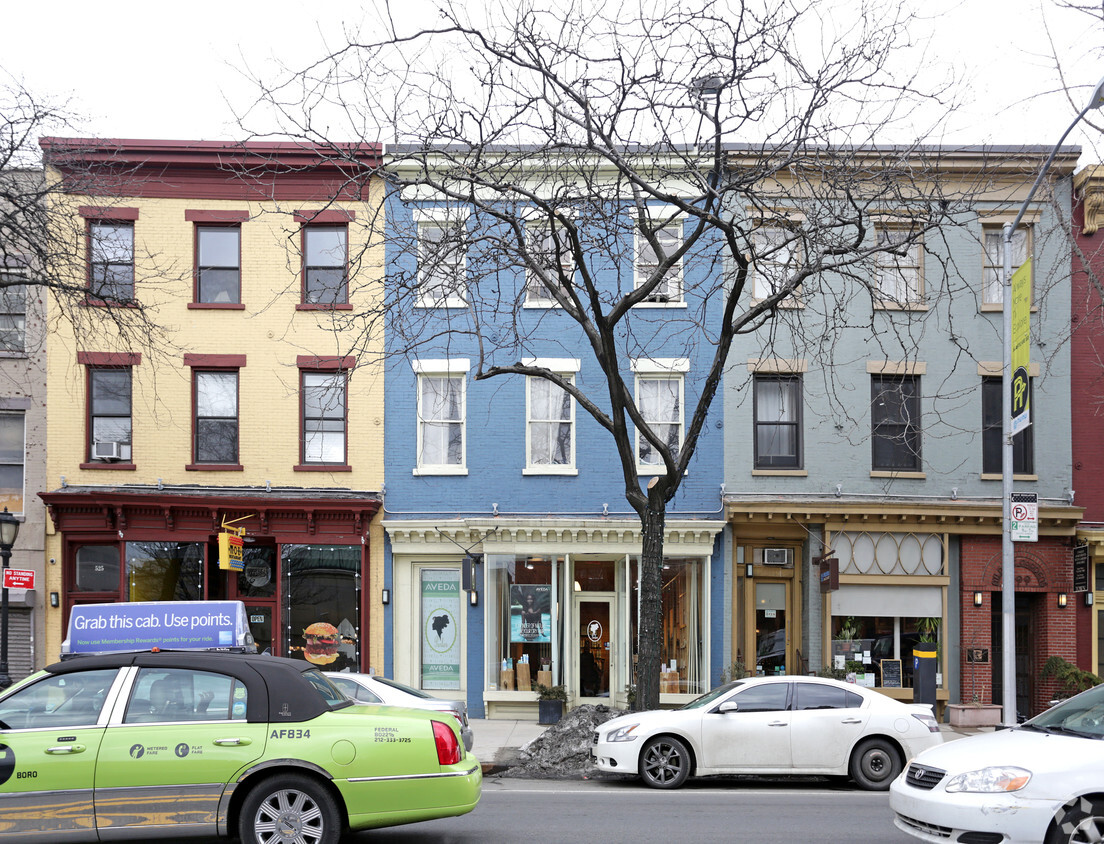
721	159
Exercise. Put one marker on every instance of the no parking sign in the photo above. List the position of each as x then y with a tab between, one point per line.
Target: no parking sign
1025	517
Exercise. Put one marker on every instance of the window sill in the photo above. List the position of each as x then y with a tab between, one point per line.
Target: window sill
908	476
678	304
322	467
216	306
997	307
429	304
92	302
116	467
10	355
540	306
440	470
898	306
550	470
779	473
991	476
337	306
214	467
788	302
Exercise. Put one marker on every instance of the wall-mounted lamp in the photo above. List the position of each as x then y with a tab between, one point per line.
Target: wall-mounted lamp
1061	599
749	570
55	601
1088	599
473	598
978	599
385	596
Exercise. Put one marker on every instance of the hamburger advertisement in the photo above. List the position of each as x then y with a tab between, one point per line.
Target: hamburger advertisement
321	642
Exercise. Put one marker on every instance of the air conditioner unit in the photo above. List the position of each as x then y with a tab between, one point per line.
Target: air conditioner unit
105	451
778	556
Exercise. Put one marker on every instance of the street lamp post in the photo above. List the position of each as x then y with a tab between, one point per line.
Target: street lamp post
1008	553
9	530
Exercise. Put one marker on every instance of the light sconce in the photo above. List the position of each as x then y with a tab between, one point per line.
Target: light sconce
1061	599
55	601
473	598
385	596
749	570
1088	599
978	599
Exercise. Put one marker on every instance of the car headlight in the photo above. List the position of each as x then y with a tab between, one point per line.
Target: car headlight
622	733
990	780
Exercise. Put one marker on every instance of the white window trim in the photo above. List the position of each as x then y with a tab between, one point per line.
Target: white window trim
793	300
448	367
543	304
656	366
994	223
916	297
23	463
672	217
567	367
442	218
650	372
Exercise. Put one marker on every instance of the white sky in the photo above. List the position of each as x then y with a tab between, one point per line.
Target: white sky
140	69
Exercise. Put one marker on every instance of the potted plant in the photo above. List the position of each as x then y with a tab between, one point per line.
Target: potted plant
1071	679
550	703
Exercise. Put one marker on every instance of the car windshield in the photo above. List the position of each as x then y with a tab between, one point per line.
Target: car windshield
711	696
330	693
1082	715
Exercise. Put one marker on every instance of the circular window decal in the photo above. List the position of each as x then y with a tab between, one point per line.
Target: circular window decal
440	630
594	631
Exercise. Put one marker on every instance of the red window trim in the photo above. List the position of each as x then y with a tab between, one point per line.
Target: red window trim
210	361
214	467
109	359
110	467
200	216
322	467
215	306
325	363
323	217
302	306
107	212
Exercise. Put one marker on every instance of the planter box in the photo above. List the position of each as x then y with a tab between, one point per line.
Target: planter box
974	715
549	711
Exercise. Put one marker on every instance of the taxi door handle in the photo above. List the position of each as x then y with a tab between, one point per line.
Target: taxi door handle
851	721
66	748
232	742
778	724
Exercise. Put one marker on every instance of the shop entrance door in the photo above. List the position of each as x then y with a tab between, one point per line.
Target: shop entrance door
593	666
772	635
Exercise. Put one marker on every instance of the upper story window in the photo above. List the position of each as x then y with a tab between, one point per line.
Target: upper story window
900	267
12	450
111	260
216	416
325	259
442	263
895	423
109	389
442	388
648	259
550	426
551	250
777	255
778	421
218	264
993	257
324	417
659	396
13	314
992	432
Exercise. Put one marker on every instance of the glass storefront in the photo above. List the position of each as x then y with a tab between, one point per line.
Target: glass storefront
164	571
322	600
523	624
682	649
861	643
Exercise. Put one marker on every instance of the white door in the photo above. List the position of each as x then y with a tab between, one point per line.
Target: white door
754	737
595	672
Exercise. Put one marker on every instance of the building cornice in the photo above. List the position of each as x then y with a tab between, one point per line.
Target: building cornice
1089	184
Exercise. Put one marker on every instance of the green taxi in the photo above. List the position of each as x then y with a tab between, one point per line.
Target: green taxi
125	745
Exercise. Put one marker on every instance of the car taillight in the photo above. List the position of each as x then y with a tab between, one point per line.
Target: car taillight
448	748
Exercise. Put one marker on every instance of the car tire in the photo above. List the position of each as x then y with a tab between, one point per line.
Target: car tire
875	764
289	802
1081	821
664	763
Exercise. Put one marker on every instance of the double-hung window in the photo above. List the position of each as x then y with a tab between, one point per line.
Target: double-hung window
324	417
649	258
778	421
216	416
993	258
442	259
659	398
895	422
550	250
13	314
218	264
900	267
777	254
550	432
12	450
109	390
992	433
325	261
441	417
111	260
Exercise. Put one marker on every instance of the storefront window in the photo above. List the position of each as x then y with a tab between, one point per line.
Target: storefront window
523	634
440	591
323	592
861	643
682	651
164	571
97	569
257	579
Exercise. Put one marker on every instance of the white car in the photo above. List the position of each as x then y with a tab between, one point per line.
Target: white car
1042	781
371	688
770	725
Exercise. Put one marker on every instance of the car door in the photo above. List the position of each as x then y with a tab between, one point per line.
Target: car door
826	722
50	733
166	761
753	736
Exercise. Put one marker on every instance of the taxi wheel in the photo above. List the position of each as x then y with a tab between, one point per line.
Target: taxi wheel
1081	821
664	763
289	809
875	764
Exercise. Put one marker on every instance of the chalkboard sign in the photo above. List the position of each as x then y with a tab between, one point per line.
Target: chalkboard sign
891	673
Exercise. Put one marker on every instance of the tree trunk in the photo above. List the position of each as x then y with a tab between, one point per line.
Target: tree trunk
649	630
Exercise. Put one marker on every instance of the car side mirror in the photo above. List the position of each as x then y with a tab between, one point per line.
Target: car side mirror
728	706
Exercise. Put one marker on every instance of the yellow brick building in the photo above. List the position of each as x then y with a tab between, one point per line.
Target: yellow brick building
224	369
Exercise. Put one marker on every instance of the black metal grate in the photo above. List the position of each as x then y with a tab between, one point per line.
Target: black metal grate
929	828
921	776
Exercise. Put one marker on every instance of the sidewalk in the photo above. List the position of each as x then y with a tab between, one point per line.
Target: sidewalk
496	742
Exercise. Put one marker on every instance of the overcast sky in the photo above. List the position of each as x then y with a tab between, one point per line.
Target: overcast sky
150	70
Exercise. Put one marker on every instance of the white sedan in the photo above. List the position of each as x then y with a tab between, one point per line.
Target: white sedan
770	725
1042	781
371	688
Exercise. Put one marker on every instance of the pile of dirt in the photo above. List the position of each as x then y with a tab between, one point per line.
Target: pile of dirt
563	750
